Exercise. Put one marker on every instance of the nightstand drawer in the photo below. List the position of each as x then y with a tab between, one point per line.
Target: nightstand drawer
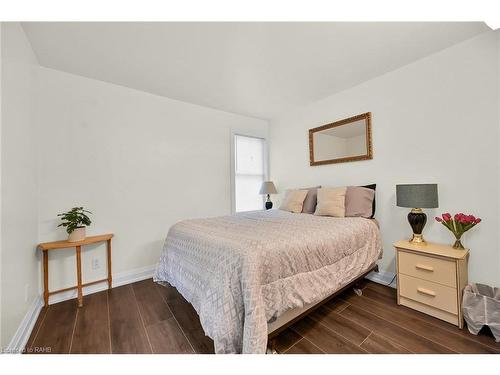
428	268
429	293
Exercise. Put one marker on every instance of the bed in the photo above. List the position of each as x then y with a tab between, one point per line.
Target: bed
249	274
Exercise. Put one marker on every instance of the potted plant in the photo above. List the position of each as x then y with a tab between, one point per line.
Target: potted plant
458	225
75	221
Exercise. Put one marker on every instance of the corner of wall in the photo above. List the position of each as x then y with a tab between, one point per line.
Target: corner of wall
497	33
1	60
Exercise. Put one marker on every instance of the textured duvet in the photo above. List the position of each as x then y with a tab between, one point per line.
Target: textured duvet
242	271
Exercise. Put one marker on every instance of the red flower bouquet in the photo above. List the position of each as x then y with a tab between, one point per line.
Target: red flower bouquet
458	225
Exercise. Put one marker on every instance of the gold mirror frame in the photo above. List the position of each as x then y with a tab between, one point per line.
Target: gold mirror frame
368	126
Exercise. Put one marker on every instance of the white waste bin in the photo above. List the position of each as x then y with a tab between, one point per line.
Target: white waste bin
481	306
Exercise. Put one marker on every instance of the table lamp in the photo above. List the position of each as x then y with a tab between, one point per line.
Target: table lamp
416	197
268	188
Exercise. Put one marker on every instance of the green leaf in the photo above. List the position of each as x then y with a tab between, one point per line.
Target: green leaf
74	218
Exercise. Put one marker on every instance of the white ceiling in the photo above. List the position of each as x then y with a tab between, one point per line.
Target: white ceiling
256	69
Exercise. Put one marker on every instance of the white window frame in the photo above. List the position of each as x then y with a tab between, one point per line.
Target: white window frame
233	163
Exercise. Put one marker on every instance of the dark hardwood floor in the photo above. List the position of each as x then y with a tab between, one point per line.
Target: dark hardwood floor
148	318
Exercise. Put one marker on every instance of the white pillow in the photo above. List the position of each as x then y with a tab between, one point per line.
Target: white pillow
294	199
331	202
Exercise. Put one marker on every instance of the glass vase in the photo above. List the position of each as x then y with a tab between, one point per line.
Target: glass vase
458	243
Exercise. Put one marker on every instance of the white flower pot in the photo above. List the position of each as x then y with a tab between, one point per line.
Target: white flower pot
77	235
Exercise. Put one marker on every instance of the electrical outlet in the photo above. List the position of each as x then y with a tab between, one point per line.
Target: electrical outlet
26	292
95	264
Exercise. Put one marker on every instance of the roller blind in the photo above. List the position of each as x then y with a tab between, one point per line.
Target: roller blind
249	172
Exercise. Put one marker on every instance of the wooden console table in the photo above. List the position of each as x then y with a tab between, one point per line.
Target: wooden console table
45	247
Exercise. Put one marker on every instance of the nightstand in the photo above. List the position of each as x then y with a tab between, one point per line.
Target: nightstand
431	278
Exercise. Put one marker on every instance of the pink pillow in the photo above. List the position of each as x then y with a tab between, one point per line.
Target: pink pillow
358	202
309	205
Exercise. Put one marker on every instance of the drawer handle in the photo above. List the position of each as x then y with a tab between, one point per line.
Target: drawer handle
425	268
427	292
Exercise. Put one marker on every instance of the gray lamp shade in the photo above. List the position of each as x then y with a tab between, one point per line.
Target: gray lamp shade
268	188
417	196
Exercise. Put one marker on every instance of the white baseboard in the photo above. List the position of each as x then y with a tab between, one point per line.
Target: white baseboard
18	342
383	277
23	332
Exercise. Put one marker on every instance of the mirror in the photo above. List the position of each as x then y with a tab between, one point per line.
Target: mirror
341	141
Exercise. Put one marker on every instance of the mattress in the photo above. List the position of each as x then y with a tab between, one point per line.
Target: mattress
243	271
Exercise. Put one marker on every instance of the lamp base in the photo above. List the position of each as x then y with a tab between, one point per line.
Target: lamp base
417	238
417	219
269	204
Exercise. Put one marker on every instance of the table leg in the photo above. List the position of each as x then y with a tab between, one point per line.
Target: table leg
110	277
79	274
46	278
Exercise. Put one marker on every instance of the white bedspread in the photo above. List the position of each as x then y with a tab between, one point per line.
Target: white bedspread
241	271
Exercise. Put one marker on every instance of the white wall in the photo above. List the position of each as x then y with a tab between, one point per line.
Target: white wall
19	214
139	162
1	62
435	120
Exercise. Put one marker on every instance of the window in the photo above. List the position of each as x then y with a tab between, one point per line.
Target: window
249	172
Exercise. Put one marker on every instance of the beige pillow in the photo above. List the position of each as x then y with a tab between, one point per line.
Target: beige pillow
294	199
331	202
